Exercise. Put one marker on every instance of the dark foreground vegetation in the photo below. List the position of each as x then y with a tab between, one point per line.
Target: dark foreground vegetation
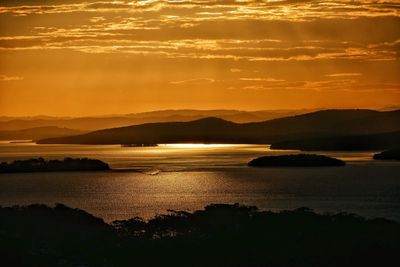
391	154
300	160
219	235
42	165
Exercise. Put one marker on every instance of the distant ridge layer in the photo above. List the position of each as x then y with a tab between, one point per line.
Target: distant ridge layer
214	130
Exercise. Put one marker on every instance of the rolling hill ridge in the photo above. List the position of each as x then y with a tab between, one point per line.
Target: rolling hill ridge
318	124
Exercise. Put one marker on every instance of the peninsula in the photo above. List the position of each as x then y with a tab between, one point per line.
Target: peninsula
390	154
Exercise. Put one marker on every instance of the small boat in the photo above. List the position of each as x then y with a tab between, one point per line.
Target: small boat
138	145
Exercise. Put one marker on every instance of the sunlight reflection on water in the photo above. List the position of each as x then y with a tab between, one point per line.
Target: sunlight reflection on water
165	157
171	177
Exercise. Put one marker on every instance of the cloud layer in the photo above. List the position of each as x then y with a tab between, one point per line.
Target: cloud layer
277	49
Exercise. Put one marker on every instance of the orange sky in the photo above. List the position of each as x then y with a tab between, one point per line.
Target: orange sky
80	57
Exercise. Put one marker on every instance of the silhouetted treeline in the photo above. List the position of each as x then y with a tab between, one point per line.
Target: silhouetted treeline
299	160
219	235
42	165
391	154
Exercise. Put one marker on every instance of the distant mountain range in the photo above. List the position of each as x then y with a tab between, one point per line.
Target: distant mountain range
112	121
320	124
37	133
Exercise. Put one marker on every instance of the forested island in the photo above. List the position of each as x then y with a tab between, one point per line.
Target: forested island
42	165
300	160
219	235
390	154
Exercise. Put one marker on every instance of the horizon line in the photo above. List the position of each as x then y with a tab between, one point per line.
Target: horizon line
385	108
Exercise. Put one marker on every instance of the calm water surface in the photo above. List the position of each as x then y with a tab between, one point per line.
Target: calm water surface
151	180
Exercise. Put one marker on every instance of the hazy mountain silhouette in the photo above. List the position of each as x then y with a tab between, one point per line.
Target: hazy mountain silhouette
37	133
111	121
336	122
316	124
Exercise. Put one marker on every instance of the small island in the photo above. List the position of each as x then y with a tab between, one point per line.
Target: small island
390	154
42	165
300	160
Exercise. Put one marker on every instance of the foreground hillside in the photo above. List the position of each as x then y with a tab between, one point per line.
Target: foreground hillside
219	235
311	125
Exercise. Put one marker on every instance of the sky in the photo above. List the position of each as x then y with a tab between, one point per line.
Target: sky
82	57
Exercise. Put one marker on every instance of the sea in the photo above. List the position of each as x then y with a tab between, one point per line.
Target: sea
149	181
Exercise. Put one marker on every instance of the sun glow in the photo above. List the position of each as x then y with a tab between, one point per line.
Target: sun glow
198	145
235	54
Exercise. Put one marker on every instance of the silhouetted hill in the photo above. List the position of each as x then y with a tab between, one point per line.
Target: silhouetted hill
41	165
342	143
37	133
300	160
220	235
213	130
112	121
331	122
203	130
391	154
